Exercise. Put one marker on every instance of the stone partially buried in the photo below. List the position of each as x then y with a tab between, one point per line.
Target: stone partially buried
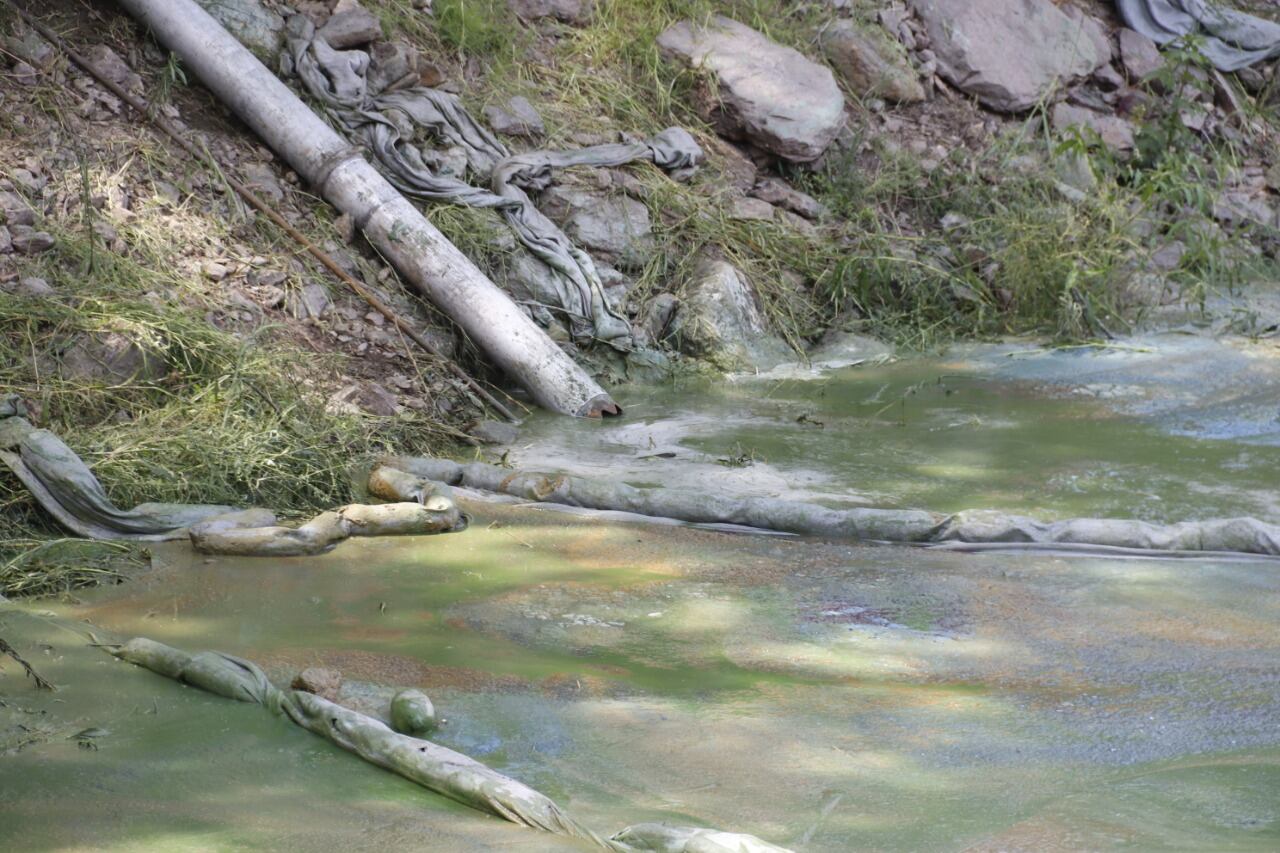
770	95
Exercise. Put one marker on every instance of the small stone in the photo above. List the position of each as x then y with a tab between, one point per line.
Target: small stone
1168	257
1108	78
1116	133
1272	177
517	118
320	681
111	357
29	181
567	11
494	432
413	714
312	301
15	210
28	241
34	288
376	400
655	317
351	27
1139	55
109	64
394	66
751	209
261	178
6	241
213	270
25	74
871	62
778	193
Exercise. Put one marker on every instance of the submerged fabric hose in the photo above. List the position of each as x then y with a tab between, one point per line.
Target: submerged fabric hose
1233	536
1232	39
384	124
428	764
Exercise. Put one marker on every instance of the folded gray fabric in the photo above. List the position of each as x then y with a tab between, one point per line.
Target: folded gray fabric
384	123
1232	39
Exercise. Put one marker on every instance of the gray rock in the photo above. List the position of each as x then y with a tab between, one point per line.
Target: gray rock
6	241
377	400
1168	257
1235	207
367	397
110	357
615	227
109	64
257	28
1008	54
1108	78
393	65
25	73
29	47
413	714
771	95
15	210
1073	169
29	181
320	681
1092	29
655	318
28	241
517	118
312	301
842	348
1139	55
778	193
351	27
34	288
871	62
568	11
494	432
261	178
1116	132
750	209
719	320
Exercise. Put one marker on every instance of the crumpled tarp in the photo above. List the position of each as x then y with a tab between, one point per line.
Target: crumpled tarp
66	488
1232	39
972	530
430	765
384	124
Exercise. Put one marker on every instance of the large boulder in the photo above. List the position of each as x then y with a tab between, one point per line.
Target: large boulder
719	320
1008	54
770	95
871	62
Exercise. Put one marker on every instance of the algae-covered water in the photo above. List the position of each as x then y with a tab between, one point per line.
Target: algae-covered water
824	696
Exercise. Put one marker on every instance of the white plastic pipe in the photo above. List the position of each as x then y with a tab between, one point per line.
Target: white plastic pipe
345	179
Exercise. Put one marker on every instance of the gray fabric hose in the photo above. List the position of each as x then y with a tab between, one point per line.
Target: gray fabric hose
972	528
428	764
384	123
65	487
1232	39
